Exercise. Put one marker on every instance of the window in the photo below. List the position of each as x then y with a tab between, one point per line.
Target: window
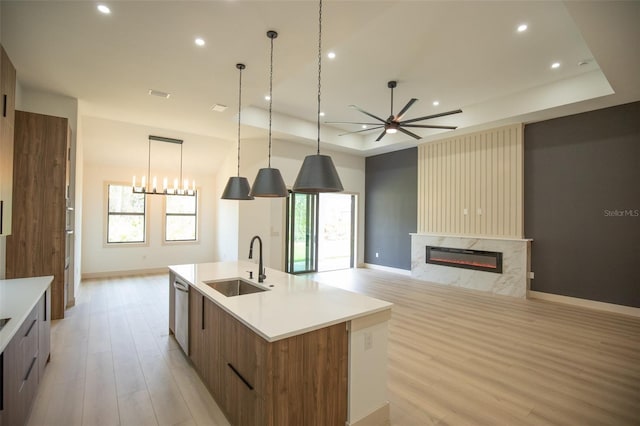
180	218
126	215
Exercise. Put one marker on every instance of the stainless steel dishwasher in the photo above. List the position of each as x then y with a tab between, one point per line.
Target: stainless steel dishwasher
182	314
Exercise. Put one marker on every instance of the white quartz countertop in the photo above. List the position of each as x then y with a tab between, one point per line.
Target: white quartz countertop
291	305
17	299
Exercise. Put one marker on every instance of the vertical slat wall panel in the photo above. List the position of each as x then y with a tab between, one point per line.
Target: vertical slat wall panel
480	174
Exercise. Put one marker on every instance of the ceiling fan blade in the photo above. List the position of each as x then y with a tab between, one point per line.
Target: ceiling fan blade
350	122
360	131
426	126
427	117
365	112
384	132
406	132
403	111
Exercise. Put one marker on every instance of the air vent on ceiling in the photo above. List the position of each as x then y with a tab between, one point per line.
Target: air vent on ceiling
219	108
159	93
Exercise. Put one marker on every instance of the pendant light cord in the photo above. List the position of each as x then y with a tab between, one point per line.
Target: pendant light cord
270	94
239	111
319	67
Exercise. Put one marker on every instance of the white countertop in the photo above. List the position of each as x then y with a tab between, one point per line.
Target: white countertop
294	305
17	299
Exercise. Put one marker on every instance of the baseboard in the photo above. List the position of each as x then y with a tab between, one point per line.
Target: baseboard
129	273
387	269
585	303
379	417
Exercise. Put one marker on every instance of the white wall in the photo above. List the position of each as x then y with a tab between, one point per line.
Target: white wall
98	258
266	217
227	217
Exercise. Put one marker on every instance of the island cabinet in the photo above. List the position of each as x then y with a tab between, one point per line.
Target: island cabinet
300	380
196	330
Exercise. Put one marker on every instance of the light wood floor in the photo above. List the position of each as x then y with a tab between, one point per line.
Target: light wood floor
456	357
113	362
459	357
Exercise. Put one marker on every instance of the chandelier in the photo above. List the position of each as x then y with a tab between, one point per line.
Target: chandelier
149	185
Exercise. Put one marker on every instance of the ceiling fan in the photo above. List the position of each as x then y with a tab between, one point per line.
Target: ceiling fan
395	123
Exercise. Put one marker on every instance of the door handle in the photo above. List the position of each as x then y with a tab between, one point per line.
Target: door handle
181	287
240	376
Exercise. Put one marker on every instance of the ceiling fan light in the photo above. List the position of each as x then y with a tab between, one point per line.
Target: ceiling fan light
237	189
317	174
269	184
391	130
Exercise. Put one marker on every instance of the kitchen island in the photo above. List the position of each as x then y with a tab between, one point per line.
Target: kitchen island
296	352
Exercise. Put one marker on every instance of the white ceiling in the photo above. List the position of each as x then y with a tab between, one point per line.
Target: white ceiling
465	54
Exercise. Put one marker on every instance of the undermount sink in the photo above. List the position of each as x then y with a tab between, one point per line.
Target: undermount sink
235	287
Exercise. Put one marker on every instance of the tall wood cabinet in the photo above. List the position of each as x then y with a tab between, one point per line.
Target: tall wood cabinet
40	243
7	106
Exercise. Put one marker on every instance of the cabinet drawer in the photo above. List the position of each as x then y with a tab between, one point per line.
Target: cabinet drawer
29	344
244	351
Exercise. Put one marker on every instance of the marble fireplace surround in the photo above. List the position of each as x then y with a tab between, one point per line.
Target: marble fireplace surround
513	281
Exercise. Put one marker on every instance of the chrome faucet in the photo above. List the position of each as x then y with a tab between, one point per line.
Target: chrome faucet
261	271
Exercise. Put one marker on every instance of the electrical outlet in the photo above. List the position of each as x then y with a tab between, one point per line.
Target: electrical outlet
479	212
377	254
531	275
368	340
465	212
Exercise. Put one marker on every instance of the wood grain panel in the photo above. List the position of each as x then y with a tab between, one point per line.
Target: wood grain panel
308	379
480	173
37	244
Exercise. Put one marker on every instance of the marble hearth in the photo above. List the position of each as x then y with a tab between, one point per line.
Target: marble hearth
513	281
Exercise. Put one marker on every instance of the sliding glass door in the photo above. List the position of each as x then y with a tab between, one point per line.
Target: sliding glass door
320	232
302	227
336	231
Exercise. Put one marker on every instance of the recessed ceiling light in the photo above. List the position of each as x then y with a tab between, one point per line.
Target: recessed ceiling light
219	108
267	98
321	114
331	55
104	9
364	126
159	93
200	42
522	28
436	103
555	65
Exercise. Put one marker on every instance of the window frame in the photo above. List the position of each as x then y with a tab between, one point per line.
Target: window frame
144	214
196	240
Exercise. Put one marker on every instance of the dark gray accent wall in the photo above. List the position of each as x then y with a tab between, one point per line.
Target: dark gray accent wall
582	204
391	191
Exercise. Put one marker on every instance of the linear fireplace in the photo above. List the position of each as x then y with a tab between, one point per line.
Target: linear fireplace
479	260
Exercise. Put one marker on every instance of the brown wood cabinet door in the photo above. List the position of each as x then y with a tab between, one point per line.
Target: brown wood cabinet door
213	331
36	246
196	331
244	353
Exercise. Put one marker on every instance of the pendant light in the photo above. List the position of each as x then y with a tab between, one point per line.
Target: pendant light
238	187
318	174
269	182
